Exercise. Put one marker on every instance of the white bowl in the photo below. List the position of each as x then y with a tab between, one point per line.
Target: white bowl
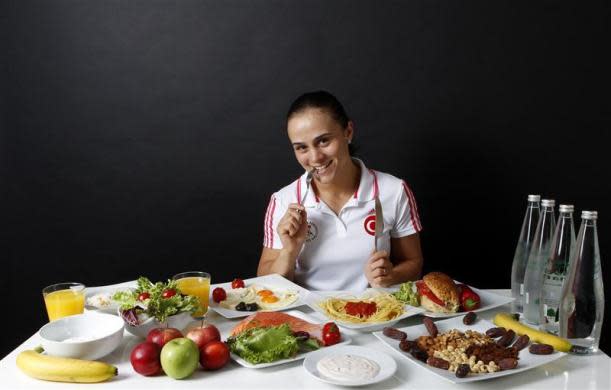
87	336
178	321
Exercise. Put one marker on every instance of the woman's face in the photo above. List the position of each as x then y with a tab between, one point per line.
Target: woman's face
320	143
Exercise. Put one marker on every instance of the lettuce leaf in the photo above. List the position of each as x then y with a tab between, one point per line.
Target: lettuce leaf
408	294
265	345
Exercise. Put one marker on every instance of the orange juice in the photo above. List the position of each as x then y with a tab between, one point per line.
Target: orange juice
64	303
199	287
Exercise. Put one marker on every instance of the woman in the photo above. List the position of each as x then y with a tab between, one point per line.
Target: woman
322	235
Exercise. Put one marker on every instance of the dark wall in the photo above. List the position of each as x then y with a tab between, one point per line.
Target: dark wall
145	137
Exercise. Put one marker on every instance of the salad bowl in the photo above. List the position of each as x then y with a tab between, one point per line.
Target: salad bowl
179	321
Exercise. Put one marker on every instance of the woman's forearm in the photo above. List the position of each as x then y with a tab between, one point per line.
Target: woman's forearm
283	264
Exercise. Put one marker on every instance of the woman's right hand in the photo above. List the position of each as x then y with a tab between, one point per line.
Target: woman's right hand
293	228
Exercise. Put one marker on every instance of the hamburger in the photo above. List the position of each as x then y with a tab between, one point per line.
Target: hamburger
438	293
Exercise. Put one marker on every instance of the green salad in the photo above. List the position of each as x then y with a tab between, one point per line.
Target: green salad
268	344
159	300
408	294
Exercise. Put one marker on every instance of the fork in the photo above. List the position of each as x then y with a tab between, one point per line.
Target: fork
308	184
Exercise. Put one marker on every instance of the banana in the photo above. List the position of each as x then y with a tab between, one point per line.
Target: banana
507	321
58	369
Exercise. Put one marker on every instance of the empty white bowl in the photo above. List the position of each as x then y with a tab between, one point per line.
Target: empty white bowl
89	336
178	321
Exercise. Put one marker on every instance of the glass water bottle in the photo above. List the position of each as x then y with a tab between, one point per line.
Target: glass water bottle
555	269
539	253
583	302
520	258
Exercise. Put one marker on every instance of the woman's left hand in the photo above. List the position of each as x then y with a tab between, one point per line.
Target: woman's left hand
379	270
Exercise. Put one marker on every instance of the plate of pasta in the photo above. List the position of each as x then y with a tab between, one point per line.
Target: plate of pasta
370	310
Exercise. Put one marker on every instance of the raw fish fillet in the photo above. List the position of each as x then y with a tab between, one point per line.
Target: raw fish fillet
275	318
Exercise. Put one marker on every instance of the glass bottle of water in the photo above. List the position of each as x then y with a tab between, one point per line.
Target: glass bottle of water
520	258
555	269
583	301
539	253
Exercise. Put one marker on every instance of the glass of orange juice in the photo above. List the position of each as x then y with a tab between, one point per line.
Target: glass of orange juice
197	284
64	299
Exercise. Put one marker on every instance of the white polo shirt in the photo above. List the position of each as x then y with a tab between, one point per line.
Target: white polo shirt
338	246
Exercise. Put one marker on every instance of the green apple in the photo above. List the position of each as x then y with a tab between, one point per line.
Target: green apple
179	357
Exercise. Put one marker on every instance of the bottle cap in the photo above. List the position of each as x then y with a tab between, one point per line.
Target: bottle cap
548	202
534	198
566	208
589	214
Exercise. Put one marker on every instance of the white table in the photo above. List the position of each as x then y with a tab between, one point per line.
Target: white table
570	372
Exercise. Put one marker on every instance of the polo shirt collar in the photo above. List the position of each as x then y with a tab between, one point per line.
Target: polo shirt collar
366	190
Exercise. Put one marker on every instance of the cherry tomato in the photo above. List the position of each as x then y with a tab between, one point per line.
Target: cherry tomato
330	334
237	283
219	294
144	296
168	293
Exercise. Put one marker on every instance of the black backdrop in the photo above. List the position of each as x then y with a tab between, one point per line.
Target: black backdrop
145	137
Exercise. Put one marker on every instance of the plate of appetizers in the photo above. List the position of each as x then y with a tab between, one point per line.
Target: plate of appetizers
370	310
465	353
267	339
241	298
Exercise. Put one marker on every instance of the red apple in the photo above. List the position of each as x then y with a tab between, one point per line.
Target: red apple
161	336
203	335
213	355
145	358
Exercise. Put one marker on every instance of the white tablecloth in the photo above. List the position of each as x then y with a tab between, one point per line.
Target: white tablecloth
570	372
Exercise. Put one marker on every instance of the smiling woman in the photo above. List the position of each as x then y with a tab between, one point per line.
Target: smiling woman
323	238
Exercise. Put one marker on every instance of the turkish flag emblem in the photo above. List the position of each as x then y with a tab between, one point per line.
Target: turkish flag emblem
370	225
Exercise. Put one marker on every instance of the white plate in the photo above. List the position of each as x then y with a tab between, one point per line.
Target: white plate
225	332
109	290
315	298
270	281
526	359
488	301
387	364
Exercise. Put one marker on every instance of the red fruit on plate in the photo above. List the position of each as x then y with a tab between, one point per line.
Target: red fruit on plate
219	294
331	334
161	336
168	293
204	335
145	358
144	296
237	283
214	355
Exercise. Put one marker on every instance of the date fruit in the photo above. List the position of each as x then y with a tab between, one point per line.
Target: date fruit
521	342
406	345
430	326
437	362
508	363
469	318
463	370
496	332
419	354
394	333
507	338
540	349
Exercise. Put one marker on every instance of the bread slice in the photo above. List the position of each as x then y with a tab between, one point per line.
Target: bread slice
445	289
429	305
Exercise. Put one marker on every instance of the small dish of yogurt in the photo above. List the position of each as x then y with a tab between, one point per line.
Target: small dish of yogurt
349	365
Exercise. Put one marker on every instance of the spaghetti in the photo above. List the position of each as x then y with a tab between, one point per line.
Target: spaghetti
387	308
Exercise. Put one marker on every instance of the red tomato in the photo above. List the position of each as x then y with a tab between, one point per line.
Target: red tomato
330	334
170	292
237	283
144	296
424	290
214	355
219	294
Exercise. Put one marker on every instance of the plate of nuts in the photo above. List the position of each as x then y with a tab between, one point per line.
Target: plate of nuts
465	348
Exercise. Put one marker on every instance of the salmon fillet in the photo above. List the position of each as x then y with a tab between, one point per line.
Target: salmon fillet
275	318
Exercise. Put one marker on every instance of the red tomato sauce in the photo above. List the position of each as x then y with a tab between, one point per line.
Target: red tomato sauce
361	309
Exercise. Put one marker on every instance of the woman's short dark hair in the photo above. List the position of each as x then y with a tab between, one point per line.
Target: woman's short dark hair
324	101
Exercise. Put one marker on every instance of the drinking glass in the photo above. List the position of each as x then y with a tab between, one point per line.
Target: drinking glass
64	299
197	284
